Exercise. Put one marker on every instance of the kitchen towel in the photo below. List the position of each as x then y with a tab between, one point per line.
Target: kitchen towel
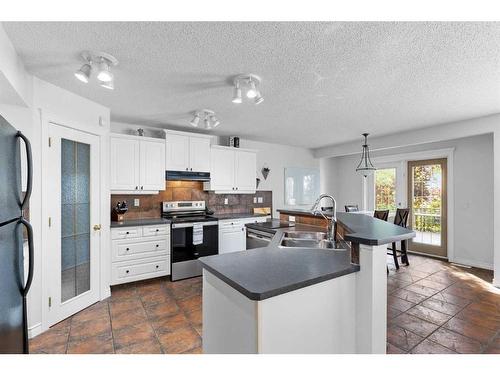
197	234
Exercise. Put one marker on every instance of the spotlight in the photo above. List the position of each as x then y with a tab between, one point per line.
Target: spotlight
237	94
207	123
195	121
252	91
108	85
215	122
104	74
83	74
258	99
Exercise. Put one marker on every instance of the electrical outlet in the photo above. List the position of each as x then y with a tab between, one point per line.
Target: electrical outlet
291	218
226	201
136	202
254	199
260	200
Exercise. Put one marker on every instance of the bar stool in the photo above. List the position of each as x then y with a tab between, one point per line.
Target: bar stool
381	214
351	208
400	219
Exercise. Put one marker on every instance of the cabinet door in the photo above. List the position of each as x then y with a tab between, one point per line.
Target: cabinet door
199	154
177	152
245	174
124	164
152	169
222	174
231	241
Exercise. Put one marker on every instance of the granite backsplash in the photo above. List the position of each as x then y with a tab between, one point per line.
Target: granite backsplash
150	205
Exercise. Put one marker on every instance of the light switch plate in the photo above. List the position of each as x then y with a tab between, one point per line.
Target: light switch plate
260	200
226	201
254	199
136	202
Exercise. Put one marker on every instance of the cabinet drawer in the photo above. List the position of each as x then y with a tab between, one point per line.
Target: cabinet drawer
159	230
124	233
123	273
128	249
226	224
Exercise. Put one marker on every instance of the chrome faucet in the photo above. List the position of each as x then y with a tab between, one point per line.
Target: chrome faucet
332	221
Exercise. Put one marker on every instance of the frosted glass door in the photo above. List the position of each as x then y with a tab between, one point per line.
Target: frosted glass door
75	214
71	263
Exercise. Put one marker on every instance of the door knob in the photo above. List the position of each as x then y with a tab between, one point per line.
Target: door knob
97	227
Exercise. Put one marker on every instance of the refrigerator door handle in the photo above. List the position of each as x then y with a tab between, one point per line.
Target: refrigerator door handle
29	158
29	279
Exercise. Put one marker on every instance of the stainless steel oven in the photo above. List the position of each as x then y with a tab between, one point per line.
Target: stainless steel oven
194	234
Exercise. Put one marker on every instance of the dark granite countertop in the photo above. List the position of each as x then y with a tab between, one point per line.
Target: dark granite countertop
273	270
238	216
139	222
364	229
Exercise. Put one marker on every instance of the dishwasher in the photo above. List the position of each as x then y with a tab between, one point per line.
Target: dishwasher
258	238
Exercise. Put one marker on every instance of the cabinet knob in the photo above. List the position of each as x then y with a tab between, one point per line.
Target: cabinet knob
127	232
157	245
142	187
157	230
187	169
127	249
242	229
157	266
190	169
137	188
127	271
236	188
233	188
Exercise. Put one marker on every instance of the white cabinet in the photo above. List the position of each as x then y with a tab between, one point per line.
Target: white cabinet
233	170
139	253
187	152
137	164
232	236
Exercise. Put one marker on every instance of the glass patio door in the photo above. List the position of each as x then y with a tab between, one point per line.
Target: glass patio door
427	181
74	232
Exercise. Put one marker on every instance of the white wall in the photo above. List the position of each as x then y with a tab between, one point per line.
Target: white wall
39	97
473	192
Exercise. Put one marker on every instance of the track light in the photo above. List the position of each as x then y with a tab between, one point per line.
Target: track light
252	91
196	120
250	83
237	93
108	85
104	61
210	121
83	74
104	74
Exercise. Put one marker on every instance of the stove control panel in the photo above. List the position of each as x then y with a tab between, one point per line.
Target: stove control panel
173	206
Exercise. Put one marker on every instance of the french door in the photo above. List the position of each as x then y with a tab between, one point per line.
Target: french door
427	198
73	236
387	188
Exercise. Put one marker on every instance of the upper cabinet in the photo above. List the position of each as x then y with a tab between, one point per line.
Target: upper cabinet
137	164
187	152
233	170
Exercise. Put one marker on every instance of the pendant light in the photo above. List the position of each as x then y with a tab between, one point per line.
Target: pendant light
365	166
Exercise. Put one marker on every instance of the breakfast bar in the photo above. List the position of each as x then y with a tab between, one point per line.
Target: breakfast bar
300	299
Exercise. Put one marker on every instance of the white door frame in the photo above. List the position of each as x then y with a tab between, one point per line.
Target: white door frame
446	153
104	258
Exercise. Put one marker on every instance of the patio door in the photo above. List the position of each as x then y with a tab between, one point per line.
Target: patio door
73	237
427	201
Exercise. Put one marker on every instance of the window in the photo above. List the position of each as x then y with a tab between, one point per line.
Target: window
301	186
385	189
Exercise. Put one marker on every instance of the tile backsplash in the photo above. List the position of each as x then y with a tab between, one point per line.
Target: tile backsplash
150	205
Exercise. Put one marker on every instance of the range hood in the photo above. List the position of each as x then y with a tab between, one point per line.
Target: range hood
187	176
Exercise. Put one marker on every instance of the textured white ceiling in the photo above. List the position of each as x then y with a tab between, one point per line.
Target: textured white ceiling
323	83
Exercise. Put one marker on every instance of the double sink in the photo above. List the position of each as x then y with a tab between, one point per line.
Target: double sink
316	240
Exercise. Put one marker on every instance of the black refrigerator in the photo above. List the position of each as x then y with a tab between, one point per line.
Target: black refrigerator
14	231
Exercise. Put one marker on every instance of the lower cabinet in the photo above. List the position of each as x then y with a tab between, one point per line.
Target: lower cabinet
139	253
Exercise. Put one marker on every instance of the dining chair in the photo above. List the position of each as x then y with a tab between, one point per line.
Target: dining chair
381	214
351	208
400	219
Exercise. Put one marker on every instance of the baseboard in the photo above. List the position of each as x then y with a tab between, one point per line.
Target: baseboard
35	330
472	263
105	293
496	282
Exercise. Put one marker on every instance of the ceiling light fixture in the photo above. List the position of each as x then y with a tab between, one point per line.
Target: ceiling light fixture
104	61
250	83
365	166
208	116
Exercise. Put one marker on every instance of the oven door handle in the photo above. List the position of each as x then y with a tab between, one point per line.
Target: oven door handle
190	225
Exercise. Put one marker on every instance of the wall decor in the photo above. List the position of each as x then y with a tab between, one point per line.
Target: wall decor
265	172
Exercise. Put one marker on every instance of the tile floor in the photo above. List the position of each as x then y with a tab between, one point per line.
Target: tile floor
433	307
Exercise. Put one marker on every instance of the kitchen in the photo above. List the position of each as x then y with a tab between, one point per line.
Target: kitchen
187	220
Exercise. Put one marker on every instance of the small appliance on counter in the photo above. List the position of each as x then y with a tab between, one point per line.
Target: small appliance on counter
119	211
194	234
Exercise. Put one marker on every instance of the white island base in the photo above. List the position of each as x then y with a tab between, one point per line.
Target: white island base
346	314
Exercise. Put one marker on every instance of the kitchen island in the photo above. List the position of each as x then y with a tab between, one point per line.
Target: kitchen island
301	300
